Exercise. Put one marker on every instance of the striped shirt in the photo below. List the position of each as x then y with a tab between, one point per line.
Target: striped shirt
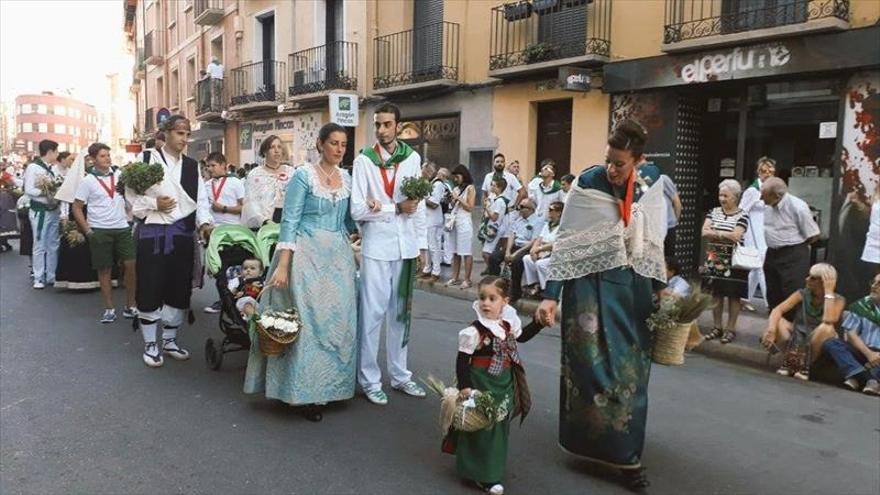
723	222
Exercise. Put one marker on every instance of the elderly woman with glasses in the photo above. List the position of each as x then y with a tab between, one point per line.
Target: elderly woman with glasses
723	230
817	309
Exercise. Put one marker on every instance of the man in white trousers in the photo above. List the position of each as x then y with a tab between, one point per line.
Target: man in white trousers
389	250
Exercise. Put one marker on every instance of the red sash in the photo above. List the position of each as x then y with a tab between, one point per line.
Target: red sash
218	190
389	185
625	204
111	191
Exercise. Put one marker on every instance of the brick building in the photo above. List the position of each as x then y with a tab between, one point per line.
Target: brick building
70	122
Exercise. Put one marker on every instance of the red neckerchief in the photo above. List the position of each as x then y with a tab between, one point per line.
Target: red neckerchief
218	190
389	185
625	204
111	191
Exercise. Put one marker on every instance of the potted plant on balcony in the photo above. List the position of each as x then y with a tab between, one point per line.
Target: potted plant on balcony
517	11
542	7
540	52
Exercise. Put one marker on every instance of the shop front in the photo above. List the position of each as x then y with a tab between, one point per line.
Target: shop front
298	134
712	114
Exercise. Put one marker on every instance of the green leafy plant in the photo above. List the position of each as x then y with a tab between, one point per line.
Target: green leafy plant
416	188
139	177
540	52
679	310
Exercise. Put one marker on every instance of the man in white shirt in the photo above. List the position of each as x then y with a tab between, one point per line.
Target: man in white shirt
437	206
226	197
44	214
514	191
545	189
215	72
166	243
789	229
107	229
522	231
389	250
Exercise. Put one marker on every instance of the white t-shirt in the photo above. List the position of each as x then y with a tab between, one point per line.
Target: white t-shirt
497	205
215	70
226	191
438	192
105	210
513	185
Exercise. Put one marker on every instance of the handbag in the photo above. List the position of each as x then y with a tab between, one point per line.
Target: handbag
449	222
747	258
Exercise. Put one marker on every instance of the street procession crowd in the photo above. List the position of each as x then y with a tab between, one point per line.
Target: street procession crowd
596	248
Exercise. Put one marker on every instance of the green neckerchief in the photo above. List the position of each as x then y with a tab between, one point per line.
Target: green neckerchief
401	153
556	186
94	171
40	162
404	297
866	308
756	184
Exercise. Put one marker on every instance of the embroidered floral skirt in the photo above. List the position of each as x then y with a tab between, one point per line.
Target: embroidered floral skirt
606	362
482	455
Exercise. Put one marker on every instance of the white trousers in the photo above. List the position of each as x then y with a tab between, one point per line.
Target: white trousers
756	277
378	298
171	317
536	272
435	244
447	247
46	243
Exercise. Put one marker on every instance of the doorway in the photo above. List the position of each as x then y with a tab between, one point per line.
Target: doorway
554	135
266	77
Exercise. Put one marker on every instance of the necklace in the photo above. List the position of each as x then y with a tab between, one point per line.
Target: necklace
328	178
272	168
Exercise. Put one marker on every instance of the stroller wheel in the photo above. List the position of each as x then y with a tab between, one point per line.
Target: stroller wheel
213	355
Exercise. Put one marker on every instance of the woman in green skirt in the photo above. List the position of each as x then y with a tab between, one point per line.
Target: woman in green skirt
608	249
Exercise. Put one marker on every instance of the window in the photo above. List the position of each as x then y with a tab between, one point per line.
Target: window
30	146
62	146
42	127
60	128
41	109
27	127
175	88
60	110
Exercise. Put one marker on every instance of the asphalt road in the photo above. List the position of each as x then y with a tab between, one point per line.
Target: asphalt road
80	413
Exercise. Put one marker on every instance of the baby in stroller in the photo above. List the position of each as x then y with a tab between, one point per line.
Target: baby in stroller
246	286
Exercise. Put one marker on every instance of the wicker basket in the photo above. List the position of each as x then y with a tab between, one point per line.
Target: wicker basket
271	345
669	345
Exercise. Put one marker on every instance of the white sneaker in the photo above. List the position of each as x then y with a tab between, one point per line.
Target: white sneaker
39	285
851	384
109	316
377	397
170	347
411	388
152	356
872	388
496	489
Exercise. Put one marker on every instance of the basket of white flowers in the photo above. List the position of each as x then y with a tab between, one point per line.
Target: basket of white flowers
276	330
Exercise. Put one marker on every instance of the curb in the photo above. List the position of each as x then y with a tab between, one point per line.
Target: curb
734	352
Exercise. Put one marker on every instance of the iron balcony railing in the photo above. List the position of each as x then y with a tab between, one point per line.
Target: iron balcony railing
426	53
149	119
207	12
209	96
139	65
694	19
258	82
154	47
524	33
323	68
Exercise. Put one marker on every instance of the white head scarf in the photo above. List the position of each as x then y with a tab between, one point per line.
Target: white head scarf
67	191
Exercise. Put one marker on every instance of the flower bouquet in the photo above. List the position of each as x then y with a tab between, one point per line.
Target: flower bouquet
140	177
416	188
277	330
480	411
671	325
71	234
49	185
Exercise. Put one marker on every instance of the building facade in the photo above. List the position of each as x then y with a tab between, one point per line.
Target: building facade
70	122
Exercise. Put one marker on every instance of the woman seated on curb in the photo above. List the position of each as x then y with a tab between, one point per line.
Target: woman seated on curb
805	321
858	357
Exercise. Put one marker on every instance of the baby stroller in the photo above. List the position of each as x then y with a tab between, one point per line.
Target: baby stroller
229	246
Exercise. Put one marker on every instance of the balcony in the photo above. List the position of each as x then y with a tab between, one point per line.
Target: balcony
208	12
150	119
154	47
693	24
317	71
540	36
418	59
257	85
139	69
209	100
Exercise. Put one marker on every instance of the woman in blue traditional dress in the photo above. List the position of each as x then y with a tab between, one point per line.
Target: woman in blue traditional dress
314	271
609	247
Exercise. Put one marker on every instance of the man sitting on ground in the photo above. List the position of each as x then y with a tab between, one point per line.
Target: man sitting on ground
858	356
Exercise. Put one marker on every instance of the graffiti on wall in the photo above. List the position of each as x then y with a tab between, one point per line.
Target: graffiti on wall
860	181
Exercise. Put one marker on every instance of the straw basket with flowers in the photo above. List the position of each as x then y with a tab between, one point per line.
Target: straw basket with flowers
479	411
671	325
276	330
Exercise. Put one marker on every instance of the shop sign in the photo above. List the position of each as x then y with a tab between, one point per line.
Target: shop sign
828	130
574	79
847	50
344	109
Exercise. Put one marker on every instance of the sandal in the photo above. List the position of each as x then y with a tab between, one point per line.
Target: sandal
716	333
452	282
635	479
466	285
729	336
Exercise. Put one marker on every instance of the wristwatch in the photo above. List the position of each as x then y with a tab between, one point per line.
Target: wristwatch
830	296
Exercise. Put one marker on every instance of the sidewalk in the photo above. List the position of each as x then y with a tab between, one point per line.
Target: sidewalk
746	349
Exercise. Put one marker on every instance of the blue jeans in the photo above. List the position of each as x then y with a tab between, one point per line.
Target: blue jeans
46	243
848	359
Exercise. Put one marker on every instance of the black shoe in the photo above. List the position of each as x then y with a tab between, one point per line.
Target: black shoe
635	479
312	413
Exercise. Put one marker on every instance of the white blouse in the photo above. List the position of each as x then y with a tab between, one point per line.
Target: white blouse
871	253
263	192
469	338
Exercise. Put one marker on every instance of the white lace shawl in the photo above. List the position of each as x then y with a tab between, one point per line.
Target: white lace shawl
593	239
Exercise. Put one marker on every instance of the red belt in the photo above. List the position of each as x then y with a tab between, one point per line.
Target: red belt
485	362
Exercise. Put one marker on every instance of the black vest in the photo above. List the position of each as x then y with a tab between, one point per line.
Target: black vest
189	180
